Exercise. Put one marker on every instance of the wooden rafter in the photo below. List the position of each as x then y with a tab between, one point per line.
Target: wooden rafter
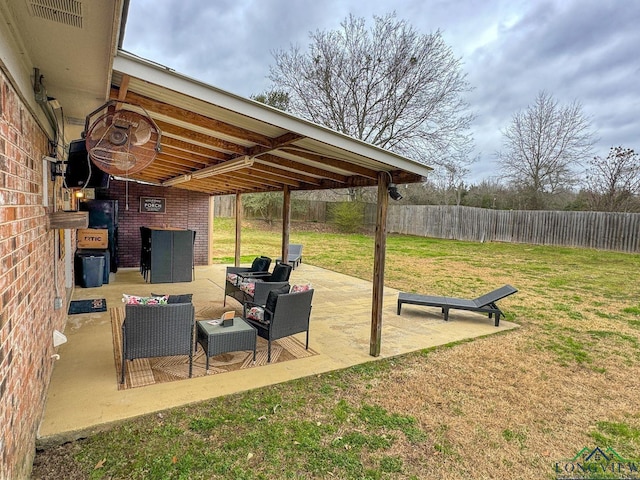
195	119
192	140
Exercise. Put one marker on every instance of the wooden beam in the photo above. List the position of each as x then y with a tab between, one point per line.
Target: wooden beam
286	223
378	265
196	119
276	143
202	138
293	179
285	163
236	261
334	162
124	87
188	147
210	245
229	182
188	159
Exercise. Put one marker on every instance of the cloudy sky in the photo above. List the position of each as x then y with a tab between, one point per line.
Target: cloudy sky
584	50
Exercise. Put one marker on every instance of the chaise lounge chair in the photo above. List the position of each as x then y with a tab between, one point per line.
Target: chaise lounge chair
485	303
294	257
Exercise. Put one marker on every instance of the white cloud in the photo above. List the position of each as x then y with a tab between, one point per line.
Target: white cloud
583	50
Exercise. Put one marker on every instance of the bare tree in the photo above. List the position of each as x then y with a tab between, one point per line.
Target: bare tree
613	183
543	146
390	86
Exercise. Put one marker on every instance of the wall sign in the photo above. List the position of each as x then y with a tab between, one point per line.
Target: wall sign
153	205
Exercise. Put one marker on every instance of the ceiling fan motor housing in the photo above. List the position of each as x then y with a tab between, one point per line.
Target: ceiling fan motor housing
118	135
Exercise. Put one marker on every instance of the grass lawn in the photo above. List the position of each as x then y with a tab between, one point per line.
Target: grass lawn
514	405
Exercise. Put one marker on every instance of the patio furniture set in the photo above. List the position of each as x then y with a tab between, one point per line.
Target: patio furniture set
164	325
272	309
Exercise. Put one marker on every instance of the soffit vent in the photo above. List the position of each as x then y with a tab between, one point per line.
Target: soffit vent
67	12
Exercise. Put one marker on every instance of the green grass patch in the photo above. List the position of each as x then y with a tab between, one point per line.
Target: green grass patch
632	311
569	350
623	437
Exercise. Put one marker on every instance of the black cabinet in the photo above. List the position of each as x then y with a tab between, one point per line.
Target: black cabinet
166	255
104	214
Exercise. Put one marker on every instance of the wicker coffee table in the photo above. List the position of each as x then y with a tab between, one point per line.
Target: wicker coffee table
216	339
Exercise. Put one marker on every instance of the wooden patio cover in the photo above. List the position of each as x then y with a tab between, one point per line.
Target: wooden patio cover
263	150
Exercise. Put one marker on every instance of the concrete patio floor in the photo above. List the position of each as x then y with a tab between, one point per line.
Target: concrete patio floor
83	396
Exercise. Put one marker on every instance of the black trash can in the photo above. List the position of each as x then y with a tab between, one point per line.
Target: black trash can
89	269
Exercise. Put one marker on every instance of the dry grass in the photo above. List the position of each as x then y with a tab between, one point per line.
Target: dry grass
521	401
506	406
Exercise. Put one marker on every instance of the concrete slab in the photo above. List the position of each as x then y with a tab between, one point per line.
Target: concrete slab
83	396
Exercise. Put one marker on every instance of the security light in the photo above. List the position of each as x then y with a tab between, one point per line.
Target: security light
393	192
392	189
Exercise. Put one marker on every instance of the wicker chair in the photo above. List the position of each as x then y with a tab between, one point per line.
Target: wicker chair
254	287
289	316
281	273
157	331
259	265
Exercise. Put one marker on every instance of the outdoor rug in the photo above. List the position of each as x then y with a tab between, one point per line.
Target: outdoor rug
149	371
87	306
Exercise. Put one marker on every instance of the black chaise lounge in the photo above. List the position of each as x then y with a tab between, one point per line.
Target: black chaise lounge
485	303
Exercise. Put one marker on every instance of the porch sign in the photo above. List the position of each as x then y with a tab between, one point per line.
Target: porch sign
153	205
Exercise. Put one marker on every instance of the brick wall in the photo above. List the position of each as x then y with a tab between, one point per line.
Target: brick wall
184	209
29	253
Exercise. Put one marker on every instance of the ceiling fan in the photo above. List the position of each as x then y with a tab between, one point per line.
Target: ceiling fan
121	141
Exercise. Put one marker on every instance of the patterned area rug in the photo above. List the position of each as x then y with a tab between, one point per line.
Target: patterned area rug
148	371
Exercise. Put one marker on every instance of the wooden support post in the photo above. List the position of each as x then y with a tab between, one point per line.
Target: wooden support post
286	223
211	226
378	265
238	228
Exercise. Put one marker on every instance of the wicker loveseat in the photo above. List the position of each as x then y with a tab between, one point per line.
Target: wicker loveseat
157	331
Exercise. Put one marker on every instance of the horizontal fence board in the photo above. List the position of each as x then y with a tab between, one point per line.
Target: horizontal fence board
598	230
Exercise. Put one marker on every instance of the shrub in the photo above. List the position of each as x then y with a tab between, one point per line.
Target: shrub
348	216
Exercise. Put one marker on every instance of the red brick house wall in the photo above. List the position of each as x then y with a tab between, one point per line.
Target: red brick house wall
31	276
184	209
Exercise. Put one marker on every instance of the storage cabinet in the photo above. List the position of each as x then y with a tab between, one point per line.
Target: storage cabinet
166	255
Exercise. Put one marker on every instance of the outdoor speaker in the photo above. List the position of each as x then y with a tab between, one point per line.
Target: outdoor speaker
81	172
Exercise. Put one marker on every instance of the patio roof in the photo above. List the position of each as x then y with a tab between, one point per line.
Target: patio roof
77	54
204	126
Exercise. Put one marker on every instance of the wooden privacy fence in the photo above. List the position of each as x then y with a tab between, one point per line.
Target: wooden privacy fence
309	211
599	230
